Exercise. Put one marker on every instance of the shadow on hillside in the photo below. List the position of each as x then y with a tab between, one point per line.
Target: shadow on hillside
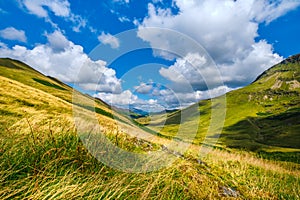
256	133
46	83
281	130
6	62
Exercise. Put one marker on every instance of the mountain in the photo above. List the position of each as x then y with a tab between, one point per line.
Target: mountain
263	116
43	155
273	118
26	92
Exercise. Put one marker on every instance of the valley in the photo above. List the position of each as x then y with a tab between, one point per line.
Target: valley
44	153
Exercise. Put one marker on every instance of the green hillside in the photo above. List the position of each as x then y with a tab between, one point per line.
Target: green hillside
43	157
271	107
22	83
261	116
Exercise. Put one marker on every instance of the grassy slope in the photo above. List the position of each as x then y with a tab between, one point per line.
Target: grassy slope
262	116
272	109
41	155
24	74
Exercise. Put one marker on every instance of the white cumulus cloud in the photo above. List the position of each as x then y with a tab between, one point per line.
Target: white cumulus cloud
185	69
57	41
109	39
143	88
10	33
67	62
172	99
128	100
267	11
60	8
122	99
226	29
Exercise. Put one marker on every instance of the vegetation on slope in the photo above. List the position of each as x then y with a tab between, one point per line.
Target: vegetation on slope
263	116
42	156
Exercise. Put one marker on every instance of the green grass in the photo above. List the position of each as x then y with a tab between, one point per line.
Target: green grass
51	162
46	83
263	115
281	156
43	157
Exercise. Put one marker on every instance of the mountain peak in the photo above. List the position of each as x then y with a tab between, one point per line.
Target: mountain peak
288	69
292	59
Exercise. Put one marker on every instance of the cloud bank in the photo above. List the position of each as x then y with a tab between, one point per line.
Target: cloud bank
66	61
226	29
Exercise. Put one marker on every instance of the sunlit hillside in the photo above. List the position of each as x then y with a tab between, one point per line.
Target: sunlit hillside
261	117
42	155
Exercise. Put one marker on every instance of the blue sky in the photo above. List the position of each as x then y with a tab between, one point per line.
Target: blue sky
75	41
